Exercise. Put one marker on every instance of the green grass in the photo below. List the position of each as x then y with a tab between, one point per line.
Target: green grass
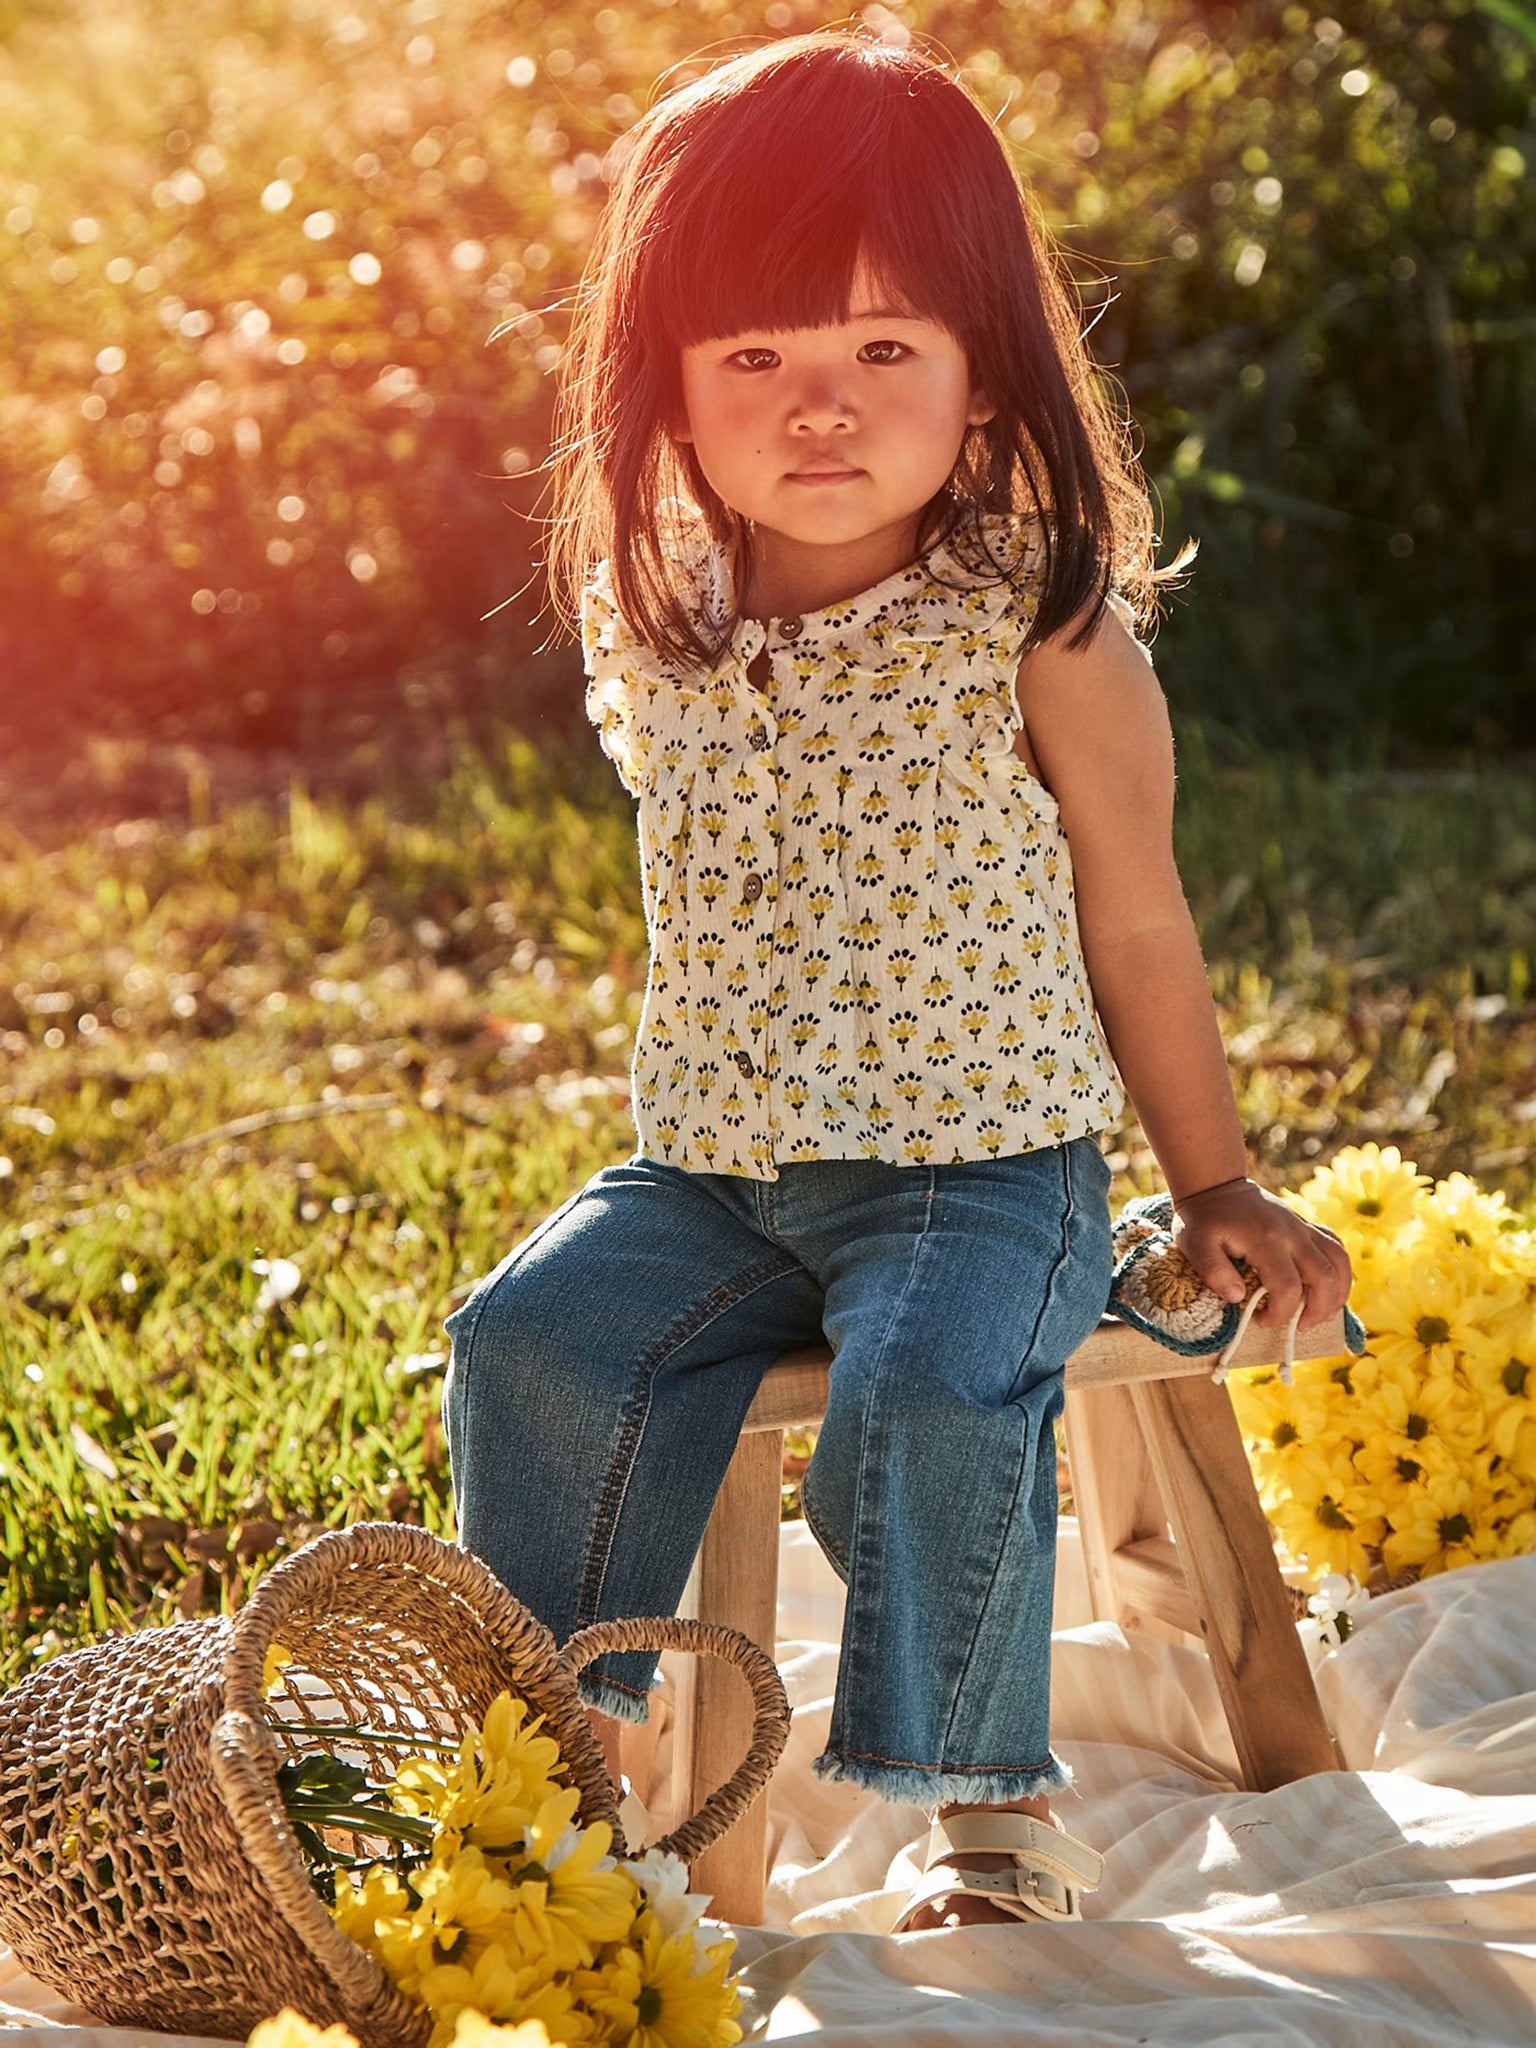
381	1038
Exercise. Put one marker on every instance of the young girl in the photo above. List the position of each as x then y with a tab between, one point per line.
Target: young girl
858	544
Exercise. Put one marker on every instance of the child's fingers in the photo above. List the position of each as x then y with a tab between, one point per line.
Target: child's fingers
1211	1259
1285	1292
1328	1276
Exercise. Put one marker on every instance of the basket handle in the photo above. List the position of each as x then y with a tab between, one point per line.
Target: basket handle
242	1755
770	1721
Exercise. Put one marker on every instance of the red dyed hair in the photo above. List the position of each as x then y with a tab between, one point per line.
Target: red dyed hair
745	199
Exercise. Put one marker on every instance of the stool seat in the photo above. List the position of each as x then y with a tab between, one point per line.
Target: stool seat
1174	1542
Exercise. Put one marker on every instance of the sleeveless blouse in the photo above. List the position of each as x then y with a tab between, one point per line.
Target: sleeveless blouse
859	900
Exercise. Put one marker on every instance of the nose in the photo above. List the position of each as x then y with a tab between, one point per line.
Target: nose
820	406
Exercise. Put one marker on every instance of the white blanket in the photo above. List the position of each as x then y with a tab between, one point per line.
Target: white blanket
1392	1905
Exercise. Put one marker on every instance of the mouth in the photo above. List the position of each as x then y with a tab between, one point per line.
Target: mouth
822	476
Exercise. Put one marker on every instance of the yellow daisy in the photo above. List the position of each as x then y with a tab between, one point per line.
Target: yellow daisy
501	1777
1435	1527
662	1996
1421	1316
474	2030
290	2029
1408	1408
586	1890
1320	1535
1365	1193
1463	1209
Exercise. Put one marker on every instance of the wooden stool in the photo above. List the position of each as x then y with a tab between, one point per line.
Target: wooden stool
1153	1445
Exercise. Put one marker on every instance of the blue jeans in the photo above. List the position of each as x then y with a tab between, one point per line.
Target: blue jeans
599	1377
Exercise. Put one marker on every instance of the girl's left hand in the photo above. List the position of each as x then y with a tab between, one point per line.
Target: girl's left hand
1293	1258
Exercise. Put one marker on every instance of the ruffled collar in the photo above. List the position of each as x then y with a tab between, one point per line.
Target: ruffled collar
917	601
951	586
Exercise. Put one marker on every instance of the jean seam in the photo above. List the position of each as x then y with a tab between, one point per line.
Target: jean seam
858	1598
839	1563
605	1521
1016	1506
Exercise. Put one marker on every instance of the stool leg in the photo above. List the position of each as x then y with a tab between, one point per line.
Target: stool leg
1228	1557
737	1578
1117	1499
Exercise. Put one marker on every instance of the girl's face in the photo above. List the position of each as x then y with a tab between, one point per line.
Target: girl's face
832	438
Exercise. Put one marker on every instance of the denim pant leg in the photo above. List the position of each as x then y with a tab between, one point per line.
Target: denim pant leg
597	1383
954	1296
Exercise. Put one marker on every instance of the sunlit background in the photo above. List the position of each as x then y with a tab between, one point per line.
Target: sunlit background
284	290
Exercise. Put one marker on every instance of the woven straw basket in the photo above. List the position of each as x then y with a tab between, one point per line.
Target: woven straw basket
184	1902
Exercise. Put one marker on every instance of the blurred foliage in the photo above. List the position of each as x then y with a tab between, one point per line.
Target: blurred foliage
284	289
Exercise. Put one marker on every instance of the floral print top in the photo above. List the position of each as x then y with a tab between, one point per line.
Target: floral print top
863	940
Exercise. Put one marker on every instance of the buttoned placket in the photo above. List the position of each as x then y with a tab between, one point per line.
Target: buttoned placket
759	886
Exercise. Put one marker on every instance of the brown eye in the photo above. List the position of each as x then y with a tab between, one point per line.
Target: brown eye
901	345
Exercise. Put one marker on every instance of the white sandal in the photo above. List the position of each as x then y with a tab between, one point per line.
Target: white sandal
1051	1869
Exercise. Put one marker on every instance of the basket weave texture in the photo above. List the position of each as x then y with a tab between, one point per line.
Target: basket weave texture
184	1902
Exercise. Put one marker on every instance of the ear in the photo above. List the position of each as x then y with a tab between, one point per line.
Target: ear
982	408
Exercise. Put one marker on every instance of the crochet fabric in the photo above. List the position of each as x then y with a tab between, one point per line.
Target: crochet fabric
863	937
1158	1291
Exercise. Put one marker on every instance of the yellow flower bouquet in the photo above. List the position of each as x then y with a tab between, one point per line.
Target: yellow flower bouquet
494	1904
1420	1455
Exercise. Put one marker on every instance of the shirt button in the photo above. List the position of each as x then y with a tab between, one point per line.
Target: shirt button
790	628
758	737
752	888
744	1061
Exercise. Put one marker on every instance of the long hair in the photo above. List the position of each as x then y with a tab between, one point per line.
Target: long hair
745	199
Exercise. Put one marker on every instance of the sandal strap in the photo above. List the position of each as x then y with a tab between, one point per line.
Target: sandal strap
1034	1844
1037	1897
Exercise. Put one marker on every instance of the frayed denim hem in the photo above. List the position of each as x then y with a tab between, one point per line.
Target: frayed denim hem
621	1701
917	1785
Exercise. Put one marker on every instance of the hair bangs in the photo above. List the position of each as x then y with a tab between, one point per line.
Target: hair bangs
772	240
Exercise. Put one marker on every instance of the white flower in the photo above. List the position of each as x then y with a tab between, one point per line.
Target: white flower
1336	1602
664	1880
